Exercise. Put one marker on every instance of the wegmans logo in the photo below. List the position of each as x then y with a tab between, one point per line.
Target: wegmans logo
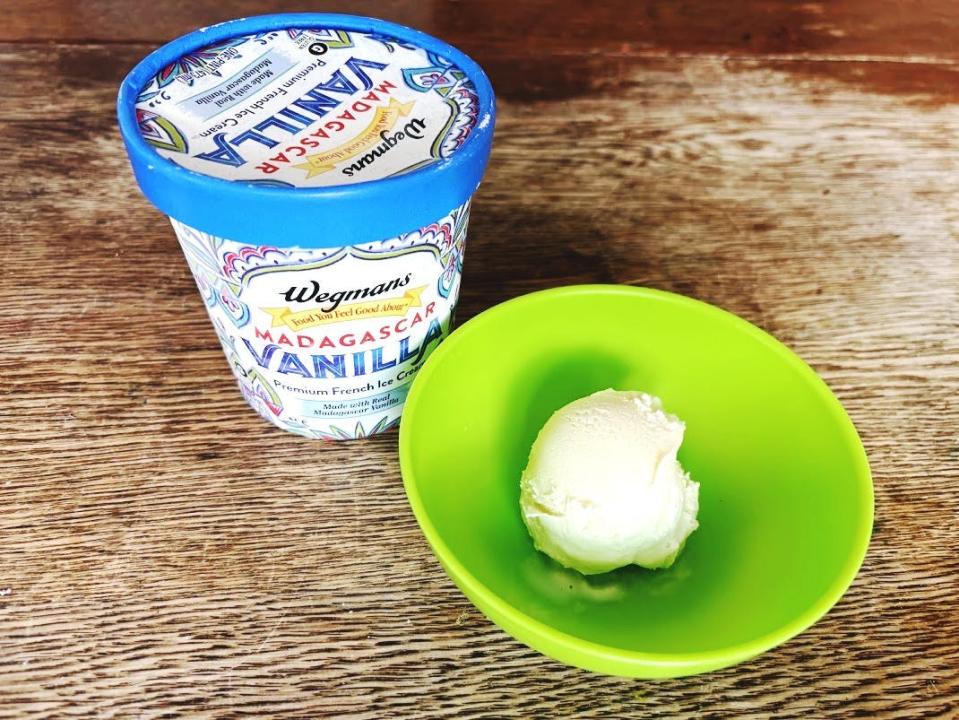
338	307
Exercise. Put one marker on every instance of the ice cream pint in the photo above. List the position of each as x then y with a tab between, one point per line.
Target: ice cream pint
317	170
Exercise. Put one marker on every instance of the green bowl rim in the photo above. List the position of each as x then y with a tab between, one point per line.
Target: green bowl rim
606	654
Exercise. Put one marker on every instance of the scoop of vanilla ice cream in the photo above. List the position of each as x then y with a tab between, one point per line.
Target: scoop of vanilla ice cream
603	487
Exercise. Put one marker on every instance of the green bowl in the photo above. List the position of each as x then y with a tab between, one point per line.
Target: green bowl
786	498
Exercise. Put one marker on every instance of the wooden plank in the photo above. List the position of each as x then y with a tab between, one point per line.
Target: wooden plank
749	27
165	551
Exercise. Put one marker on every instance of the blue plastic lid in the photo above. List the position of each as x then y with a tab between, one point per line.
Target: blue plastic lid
314	130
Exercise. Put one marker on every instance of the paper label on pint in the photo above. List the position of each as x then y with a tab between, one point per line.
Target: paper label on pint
326	342
307	107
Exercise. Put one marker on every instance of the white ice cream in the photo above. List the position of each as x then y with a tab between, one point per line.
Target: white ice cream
603	487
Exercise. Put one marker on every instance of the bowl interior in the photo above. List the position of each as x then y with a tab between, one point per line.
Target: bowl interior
785	494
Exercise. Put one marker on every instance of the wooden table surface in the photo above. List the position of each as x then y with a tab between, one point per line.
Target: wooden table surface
164	552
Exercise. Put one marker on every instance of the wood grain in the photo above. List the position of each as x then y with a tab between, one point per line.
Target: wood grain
847	27
166	553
